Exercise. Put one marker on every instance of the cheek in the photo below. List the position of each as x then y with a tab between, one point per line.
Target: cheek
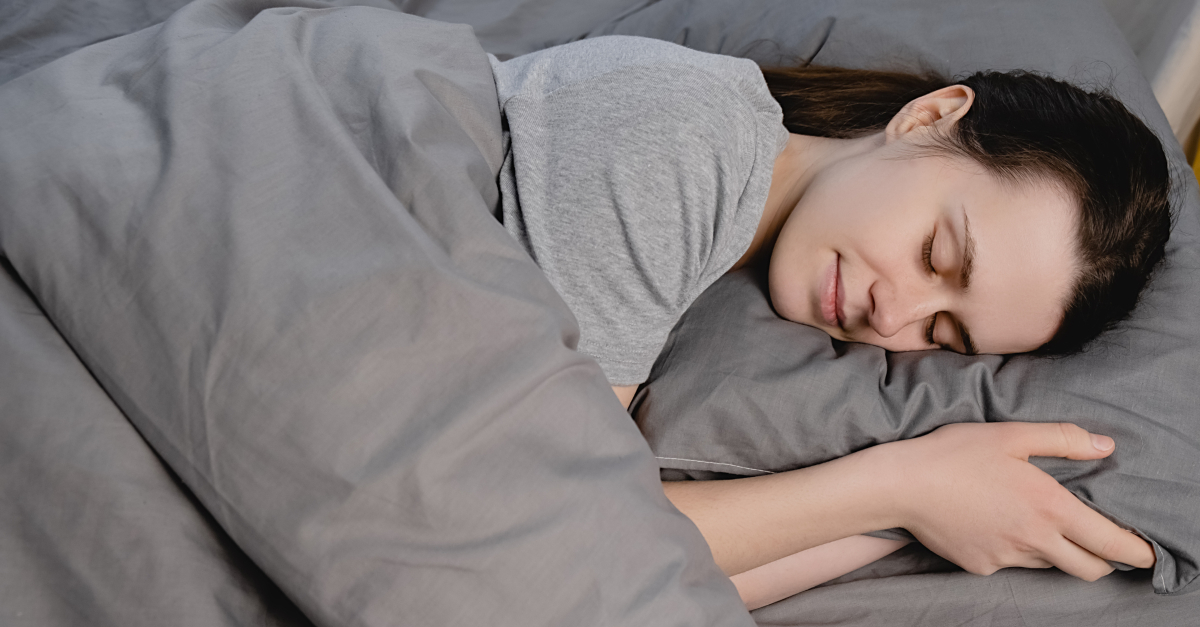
833	203
785	285
858	216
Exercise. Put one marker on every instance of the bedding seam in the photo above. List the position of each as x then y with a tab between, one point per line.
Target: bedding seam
701	461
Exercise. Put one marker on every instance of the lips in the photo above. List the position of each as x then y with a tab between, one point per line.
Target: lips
832	294
841	296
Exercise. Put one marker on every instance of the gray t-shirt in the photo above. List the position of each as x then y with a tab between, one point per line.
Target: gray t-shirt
636	175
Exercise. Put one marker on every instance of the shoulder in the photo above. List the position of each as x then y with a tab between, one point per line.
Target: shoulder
637	174
641	94
612	59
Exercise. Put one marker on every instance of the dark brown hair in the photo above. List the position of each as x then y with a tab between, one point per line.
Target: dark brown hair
1025	126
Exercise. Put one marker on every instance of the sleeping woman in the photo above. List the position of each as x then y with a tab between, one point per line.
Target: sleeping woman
1003	213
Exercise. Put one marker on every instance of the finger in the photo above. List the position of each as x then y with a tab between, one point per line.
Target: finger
1104	539
1034	562
1057	439
1074	560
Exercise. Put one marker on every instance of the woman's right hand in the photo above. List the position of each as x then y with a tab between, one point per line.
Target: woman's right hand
969	493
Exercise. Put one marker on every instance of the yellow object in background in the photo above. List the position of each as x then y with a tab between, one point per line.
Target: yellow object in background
1191	148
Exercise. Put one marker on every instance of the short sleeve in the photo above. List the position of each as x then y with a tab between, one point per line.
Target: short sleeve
634	189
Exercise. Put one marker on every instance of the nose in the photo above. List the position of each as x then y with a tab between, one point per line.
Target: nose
894	308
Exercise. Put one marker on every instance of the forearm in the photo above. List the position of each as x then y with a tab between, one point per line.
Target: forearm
965	491
756	520
800	571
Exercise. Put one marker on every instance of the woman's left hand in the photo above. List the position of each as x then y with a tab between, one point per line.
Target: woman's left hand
969	493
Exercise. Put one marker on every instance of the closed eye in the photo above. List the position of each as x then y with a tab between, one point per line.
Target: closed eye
929	328
927	258
927	254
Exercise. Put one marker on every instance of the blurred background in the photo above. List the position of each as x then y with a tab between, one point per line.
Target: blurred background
1165	34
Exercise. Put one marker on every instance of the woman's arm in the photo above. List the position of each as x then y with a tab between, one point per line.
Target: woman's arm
752	521
966	491
796	573
625	394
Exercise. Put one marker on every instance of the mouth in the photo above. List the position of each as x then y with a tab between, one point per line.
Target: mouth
833	295
841	297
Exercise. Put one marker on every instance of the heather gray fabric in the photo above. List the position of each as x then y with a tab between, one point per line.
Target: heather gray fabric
636	176
94	529
267	232
739	391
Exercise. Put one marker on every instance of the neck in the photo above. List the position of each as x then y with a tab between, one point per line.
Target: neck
797	165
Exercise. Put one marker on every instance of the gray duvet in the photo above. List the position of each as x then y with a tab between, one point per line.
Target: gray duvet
267	359
266	232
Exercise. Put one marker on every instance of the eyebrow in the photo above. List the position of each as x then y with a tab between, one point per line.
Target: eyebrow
968	263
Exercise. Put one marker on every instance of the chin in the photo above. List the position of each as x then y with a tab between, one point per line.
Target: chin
781	304
797	315
791	296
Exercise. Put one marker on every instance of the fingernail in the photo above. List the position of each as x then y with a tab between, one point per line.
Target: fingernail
1102	442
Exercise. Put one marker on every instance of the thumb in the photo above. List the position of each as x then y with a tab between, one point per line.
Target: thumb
1060	439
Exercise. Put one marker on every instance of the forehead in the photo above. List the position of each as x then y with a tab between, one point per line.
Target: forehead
1024	261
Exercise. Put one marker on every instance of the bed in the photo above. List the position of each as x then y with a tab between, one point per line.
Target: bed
1166	37
267	357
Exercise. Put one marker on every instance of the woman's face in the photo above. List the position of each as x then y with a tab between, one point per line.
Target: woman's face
913	253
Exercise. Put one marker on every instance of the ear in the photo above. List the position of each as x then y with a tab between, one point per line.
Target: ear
939	109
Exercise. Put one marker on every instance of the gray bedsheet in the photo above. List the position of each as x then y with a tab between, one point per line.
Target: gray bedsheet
96	530
266	232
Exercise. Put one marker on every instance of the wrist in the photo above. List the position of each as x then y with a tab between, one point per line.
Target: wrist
861	493
890	492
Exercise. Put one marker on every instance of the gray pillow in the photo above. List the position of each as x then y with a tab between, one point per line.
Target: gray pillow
739	391
267	232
